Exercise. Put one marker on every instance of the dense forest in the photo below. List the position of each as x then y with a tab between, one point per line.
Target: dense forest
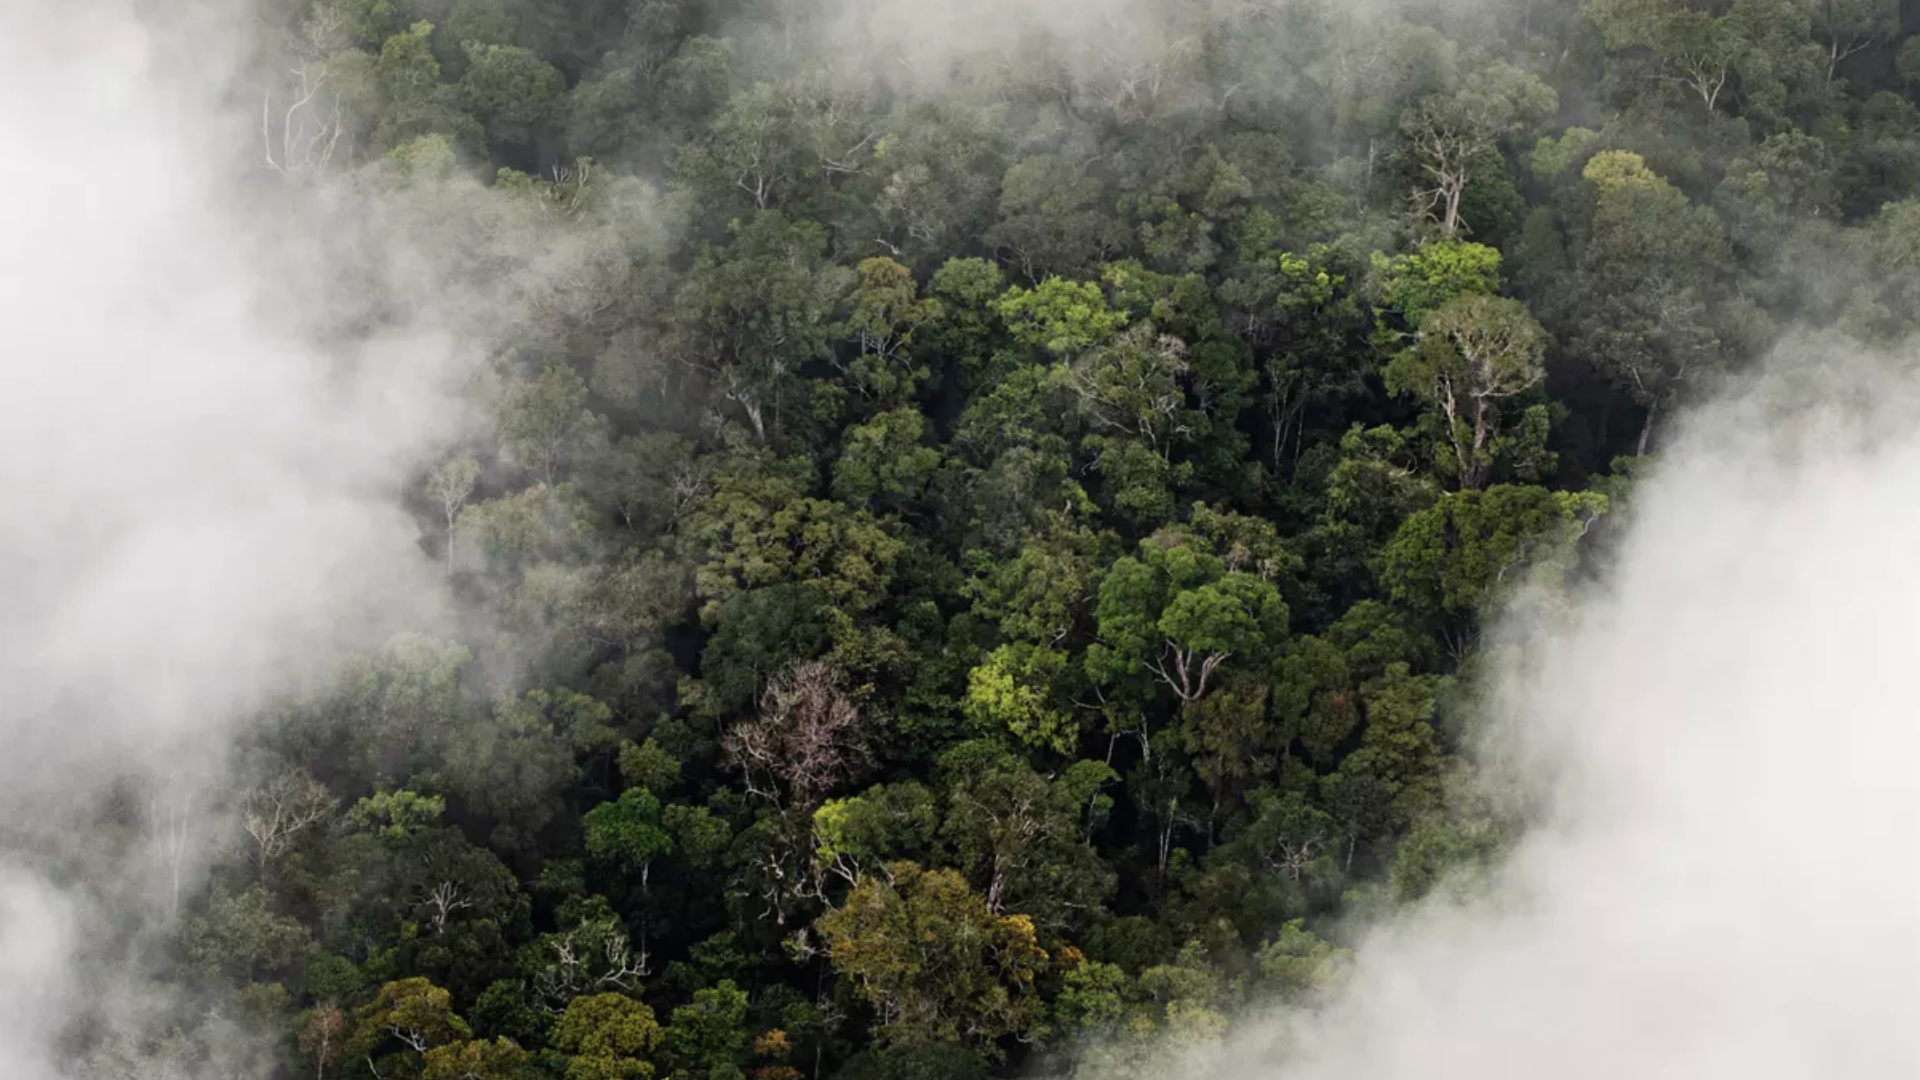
979	553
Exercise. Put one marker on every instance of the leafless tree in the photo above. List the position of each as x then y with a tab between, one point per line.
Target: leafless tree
171	807
444	899
281	809
594	957
806	741
322	1037
449	484
310	125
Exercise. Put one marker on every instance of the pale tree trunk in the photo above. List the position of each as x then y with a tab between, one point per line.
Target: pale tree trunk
170	822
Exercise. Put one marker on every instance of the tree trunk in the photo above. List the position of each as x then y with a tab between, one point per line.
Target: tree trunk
1646	431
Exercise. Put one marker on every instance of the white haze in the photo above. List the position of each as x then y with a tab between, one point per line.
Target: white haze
195	498
190	499
1727	733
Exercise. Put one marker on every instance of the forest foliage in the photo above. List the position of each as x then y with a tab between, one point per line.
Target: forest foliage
977	563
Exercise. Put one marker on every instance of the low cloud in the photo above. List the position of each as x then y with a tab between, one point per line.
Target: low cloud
1723	733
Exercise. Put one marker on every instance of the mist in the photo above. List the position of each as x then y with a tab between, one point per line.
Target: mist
1737	903
225	376
201	478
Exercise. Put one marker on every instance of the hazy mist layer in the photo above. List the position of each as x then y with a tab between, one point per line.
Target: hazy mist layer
1729	729
194	496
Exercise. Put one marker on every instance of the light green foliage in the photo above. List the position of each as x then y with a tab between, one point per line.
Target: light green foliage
1040	594
423	160
1092	1000
628	831
885	823
413	1013
1438	273
967	325
1553	155
708	1036
1297	964
1059	316
396	816
699	838
407	71
759	531
1015	687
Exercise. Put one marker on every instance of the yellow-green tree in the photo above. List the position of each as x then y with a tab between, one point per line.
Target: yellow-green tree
934	961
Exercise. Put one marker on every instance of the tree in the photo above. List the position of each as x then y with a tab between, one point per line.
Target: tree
1060	316
1051	219
321	1037
708	1036
1024	837
609	1037
276	812
886	462
1458	559
476	1059
759	529
240	935
934	961
806	741
628	831
1849	26
1472	354
411	1012
885	313
545	423
1642	272
448	485
1016	686
1437	273
412	100
1177	613
1752	44
1452	136
510	90
747	316
1135	387
593	955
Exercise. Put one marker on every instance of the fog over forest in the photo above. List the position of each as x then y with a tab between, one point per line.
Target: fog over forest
921	540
